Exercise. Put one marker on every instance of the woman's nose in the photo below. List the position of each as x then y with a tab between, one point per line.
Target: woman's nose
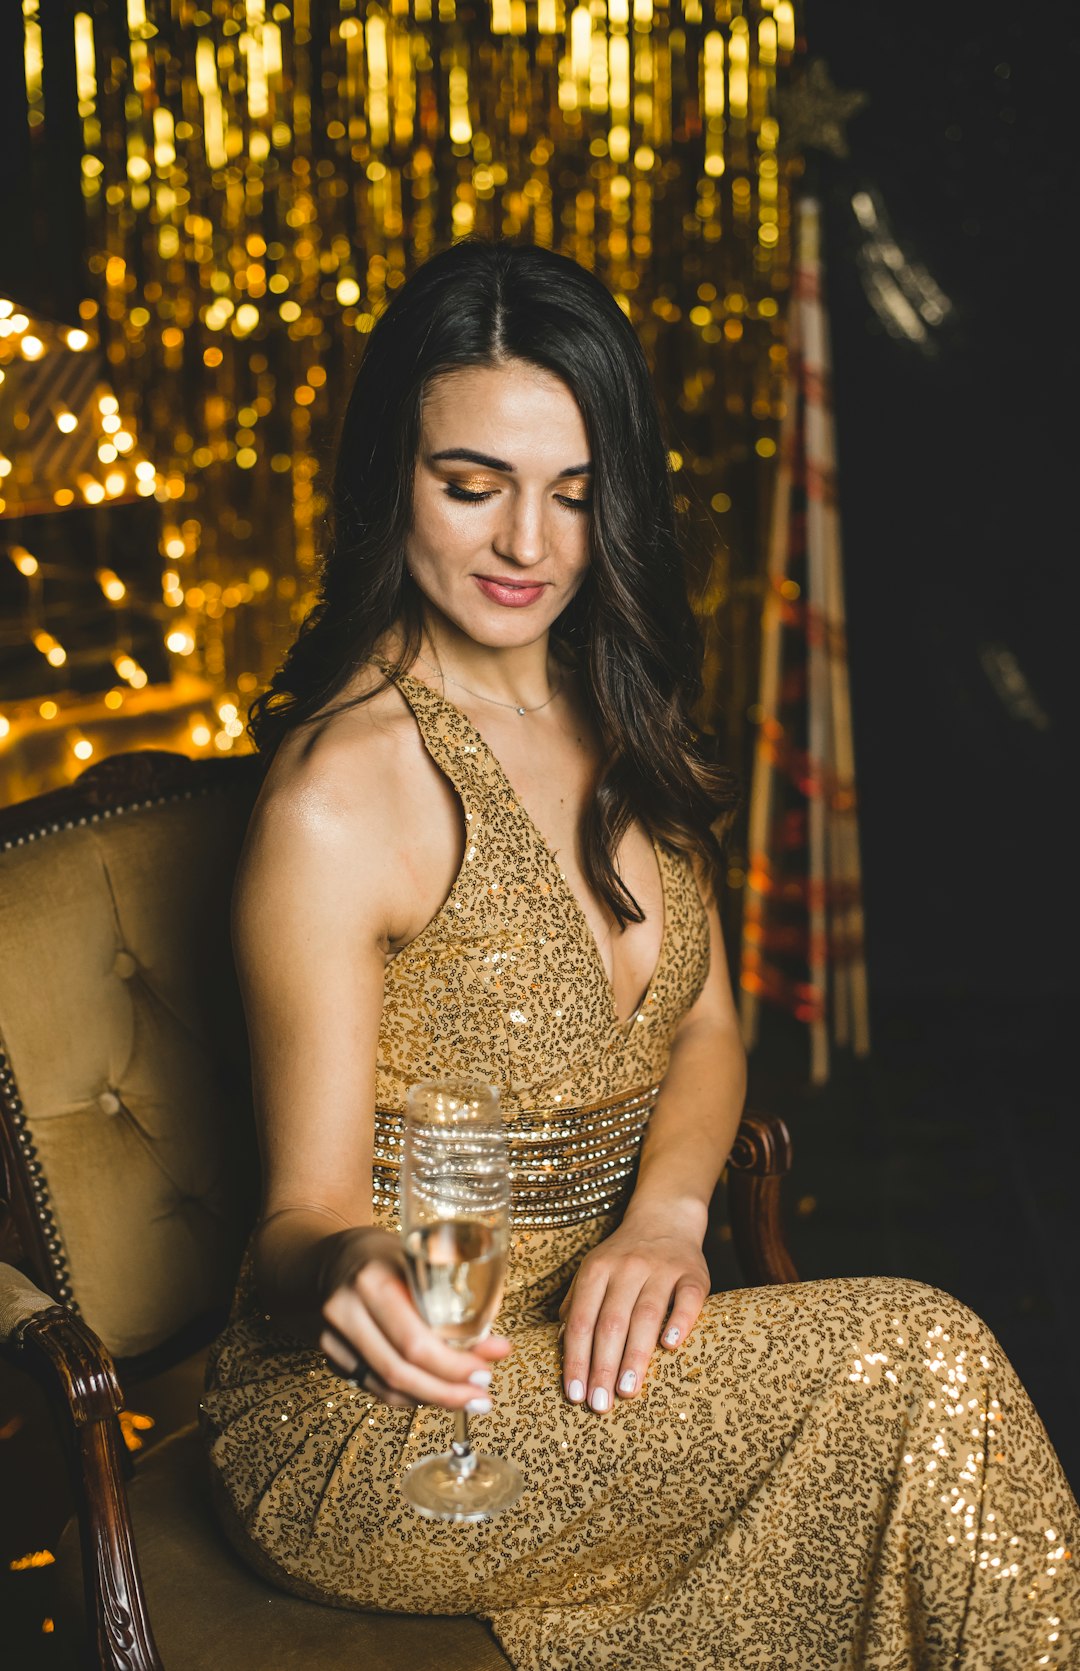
521	536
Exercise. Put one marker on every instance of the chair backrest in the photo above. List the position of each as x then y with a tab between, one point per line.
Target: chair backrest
125	1087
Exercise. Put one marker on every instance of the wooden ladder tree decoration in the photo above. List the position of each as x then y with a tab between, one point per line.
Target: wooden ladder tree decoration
802	946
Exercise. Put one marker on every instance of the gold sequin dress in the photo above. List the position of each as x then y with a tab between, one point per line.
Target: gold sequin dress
833	1474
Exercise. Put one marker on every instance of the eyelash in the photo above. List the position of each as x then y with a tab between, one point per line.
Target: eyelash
463	496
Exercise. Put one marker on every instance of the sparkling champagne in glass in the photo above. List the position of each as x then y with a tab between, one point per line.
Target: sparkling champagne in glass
455	1222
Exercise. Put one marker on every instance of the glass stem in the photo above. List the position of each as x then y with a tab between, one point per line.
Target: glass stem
461	1445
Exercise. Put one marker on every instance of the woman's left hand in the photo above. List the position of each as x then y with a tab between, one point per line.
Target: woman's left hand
616	1309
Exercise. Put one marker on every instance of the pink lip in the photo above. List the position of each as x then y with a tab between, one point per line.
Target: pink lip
512	594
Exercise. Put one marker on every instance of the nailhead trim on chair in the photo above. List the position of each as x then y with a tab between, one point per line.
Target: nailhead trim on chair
51	1239
50	1236
106	812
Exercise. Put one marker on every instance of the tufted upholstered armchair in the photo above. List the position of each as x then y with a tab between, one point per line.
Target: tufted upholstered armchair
128	1173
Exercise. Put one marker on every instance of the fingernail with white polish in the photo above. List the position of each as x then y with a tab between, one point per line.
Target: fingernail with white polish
575	1392
599	1400
478	1406
481	1377
671	1338
628	1382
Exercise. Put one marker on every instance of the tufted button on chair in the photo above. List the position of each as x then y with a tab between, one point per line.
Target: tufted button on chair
128	1174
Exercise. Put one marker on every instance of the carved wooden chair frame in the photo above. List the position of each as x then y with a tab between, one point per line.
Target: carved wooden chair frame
50	1339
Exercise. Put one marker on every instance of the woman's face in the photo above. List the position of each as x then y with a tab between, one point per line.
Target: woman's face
499	540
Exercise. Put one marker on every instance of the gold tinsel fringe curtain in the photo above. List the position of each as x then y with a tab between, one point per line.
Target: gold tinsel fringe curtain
259	178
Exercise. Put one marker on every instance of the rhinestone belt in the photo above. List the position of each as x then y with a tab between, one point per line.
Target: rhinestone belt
566	1164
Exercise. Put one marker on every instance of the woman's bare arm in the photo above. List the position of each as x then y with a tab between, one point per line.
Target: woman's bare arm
324	881
650	1274
689	1137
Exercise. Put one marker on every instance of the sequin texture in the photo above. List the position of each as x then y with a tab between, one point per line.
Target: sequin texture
832	1474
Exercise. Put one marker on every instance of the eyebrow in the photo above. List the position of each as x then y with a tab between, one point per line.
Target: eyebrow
468	456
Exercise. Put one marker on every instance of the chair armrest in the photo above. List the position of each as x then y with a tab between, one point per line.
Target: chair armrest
20	1299
53	1344
760	1157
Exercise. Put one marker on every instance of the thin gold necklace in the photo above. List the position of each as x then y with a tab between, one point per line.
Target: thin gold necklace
492	699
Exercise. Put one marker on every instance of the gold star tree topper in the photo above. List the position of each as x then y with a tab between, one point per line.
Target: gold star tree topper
814	113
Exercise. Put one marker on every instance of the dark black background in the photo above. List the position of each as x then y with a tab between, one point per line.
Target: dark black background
955	485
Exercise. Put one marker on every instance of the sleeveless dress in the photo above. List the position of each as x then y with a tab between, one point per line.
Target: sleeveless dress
828	1474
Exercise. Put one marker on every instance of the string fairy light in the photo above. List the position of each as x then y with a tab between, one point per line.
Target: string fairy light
259	179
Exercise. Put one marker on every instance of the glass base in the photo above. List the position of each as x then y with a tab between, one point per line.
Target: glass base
462	1489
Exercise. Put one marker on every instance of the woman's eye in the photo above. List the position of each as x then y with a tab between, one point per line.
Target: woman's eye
463	493
469	496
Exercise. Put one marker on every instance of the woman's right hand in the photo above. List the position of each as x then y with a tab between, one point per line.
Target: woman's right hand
373	1331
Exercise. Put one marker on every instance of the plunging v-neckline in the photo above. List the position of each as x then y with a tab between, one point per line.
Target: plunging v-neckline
623	1026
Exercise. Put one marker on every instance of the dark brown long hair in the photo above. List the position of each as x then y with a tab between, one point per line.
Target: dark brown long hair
629	629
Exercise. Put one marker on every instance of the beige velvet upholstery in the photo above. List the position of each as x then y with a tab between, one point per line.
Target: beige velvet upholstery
120	1017
211	1614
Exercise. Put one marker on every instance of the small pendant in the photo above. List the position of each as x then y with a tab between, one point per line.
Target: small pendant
521	710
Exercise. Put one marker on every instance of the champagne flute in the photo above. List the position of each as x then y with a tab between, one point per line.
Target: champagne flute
455	1222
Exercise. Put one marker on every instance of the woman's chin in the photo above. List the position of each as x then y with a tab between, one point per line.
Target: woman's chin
492	627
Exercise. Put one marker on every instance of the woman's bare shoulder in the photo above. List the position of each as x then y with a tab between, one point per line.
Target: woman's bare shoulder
337	787
344	761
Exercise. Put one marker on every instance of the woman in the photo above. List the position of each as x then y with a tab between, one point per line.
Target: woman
484	842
